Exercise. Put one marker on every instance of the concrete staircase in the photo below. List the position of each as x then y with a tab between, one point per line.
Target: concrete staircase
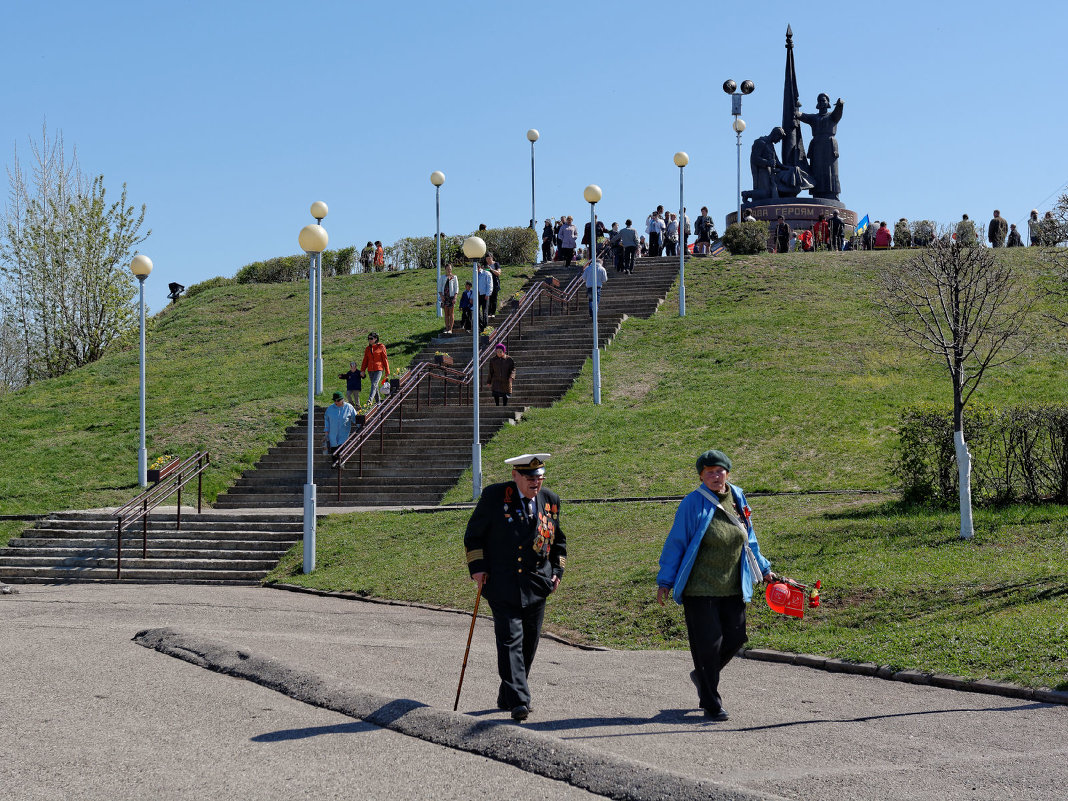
549	357
210	548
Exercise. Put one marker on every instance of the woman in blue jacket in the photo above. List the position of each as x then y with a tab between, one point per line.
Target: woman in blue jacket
709	563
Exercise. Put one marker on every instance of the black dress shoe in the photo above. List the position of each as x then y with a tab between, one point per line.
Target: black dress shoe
520	712
719	716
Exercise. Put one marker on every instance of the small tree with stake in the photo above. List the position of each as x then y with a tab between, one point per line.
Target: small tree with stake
967	309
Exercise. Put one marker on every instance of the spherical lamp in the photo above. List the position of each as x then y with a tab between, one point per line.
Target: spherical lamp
313	239
141	265
738	125
592	193
474	247
437	178
319	209
681	159
533	134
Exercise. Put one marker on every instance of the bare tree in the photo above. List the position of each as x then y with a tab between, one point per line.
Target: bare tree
63	250
970	311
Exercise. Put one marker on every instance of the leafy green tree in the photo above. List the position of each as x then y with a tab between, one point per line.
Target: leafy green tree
64	287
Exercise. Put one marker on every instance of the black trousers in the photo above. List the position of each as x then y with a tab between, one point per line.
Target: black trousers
517	629
654	244
716	630
483	319
628	258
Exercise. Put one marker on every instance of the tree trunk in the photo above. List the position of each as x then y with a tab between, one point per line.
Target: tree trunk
964	466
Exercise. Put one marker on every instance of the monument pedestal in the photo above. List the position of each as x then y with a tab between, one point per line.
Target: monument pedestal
800	212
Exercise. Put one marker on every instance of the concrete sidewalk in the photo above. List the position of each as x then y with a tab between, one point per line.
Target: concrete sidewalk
87	713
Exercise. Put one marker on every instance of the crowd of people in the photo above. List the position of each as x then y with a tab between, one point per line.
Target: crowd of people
831	234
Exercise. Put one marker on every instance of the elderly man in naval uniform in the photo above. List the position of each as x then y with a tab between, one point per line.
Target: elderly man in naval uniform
516	551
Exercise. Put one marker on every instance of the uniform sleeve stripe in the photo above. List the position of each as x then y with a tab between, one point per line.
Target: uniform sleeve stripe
474	556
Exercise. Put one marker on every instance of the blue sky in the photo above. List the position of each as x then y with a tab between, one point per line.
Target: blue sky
227	119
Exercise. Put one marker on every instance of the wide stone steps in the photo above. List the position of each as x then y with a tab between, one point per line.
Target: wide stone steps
208	548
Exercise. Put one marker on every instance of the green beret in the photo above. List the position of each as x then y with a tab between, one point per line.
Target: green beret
713	459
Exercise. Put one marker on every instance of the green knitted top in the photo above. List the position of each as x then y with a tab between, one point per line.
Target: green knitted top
717	570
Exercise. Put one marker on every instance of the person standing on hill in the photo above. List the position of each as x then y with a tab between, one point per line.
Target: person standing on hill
485	289
837	232
1014	237
374	365
367	257
654	227
516	552
782	235
628	240
494	270
709	564
568	241
547	239
380	256
997	230
448	289
467	305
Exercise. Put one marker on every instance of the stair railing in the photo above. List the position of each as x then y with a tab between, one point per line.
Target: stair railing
425	372
139	507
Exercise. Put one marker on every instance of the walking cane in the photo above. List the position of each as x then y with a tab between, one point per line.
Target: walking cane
470	634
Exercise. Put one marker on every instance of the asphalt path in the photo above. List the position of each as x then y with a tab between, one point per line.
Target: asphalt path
87	712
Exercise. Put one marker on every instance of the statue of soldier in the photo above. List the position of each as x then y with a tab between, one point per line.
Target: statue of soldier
764	162
823	149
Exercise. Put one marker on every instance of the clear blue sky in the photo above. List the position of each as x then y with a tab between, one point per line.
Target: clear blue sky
229	118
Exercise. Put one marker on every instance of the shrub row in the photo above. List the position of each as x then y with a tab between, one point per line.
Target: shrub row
295	268
747	238
508	246
1018	454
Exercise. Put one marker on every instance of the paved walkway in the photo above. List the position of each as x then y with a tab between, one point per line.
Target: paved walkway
88	713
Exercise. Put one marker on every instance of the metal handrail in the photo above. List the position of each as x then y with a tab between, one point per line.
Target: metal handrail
413	379
139	507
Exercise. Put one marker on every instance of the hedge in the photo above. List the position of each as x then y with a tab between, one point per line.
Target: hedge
1018	454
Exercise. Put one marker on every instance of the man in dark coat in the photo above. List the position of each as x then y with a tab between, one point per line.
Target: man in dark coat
516	552
997	230
782	235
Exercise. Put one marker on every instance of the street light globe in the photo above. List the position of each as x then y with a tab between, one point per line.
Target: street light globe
141	265
592	193
474	247
681	159
437	178
319	209
533	134
313	239
738	125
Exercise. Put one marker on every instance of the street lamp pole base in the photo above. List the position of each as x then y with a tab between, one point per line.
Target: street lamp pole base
309	528
142	467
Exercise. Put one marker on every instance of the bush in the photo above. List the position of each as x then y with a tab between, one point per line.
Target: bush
211	283
746	238
1019	454
902	234
511	245
508	246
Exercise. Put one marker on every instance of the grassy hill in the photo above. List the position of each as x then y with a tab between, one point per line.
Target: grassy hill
780	361
226	370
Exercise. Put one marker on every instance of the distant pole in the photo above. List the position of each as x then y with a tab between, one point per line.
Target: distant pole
313	240
318	211
437	178
681	160
474	248
141	266
746	88
592	194
532	135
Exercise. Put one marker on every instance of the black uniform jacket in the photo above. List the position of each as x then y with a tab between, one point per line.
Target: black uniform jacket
520	554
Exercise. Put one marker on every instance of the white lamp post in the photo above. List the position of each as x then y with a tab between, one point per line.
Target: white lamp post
475	248
681	160
318	211
437	178
738	125
592	194
141	266
313	240
533	136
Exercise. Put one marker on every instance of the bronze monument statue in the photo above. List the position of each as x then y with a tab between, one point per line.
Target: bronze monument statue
823	153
